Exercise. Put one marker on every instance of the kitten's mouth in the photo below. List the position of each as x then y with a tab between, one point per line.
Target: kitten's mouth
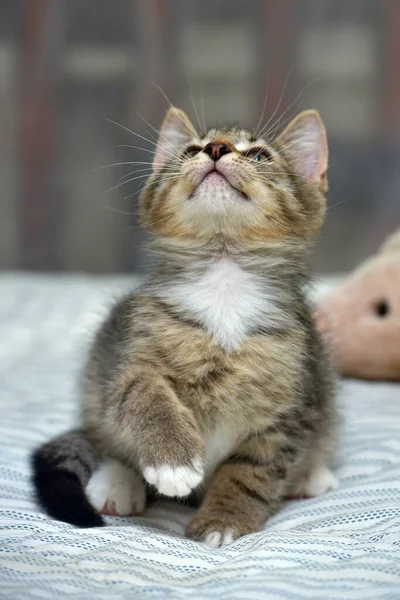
217	178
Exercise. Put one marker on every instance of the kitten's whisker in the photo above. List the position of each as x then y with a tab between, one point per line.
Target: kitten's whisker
130	131
117	164
202	108
282	152
119	184
153	222
271	217
153	137
135	148
169	178
159	88
275	185
172	154
262	112
145	150
193	102
280	124
258	153
286	147
278	106
337	204
273	173
147	171
285	191
159	135
119	211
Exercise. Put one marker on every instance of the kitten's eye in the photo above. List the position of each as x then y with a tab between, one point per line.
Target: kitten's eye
258	154
192	151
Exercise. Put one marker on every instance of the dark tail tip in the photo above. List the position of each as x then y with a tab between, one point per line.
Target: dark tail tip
61	494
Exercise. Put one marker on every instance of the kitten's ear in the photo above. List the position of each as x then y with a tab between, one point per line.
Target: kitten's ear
304	143
176	131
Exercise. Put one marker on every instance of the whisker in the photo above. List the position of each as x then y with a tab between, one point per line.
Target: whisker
155	138
145	175
262	111
202	107
147	171
271	217
278	106
150	169
117	164
258	180
337	204
280	124
119	211
129	131
154	129
137	226
193	102
159	88
286	147
148	184
167	150
135	148
285	191
119	184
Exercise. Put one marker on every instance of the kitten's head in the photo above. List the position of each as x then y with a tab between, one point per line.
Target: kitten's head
232	183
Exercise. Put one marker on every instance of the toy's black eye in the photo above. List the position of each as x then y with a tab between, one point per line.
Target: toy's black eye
258	154
382	308
192	151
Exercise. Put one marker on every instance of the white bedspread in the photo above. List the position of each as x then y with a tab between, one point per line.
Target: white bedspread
343	545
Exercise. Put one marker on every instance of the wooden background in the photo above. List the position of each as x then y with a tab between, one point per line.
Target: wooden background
66	66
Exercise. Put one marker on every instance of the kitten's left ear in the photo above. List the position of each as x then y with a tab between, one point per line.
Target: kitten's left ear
176	131
304	143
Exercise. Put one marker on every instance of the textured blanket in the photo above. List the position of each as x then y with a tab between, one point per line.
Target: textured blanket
342	545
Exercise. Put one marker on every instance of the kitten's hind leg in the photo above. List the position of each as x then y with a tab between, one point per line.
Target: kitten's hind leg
115	489
318	481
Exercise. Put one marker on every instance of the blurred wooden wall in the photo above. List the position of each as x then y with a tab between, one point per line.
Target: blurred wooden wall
66	66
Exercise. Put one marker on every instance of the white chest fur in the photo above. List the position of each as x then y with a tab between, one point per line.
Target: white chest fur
228	300
219	444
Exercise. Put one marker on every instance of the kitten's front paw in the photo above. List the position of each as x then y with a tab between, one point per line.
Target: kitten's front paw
175	481
216	530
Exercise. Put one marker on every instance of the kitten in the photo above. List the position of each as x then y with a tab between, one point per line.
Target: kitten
209	382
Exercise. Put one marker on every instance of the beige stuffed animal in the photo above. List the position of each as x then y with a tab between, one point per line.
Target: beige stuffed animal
360	319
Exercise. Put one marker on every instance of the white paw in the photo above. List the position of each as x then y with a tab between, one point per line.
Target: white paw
115	489
215	539
319	481
175	481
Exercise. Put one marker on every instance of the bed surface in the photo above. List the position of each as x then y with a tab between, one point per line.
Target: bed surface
343	545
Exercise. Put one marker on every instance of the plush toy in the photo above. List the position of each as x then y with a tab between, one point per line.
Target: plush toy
360	319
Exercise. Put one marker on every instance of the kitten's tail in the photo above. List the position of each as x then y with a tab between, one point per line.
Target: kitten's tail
61	470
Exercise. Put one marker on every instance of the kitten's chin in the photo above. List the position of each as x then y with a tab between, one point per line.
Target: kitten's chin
216	188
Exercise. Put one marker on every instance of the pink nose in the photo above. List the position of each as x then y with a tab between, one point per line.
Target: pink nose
215	150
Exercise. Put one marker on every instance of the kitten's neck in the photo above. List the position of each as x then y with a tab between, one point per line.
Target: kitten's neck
180	258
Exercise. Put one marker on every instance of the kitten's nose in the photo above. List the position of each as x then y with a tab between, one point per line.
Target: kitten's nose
215	150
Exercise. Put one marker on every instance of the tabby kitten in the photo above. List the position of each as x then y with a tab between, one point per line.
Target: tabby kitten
209	382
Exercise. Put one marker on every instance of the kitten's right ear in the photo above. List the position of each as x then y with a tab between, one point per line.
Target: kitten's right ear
304	143
176	131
